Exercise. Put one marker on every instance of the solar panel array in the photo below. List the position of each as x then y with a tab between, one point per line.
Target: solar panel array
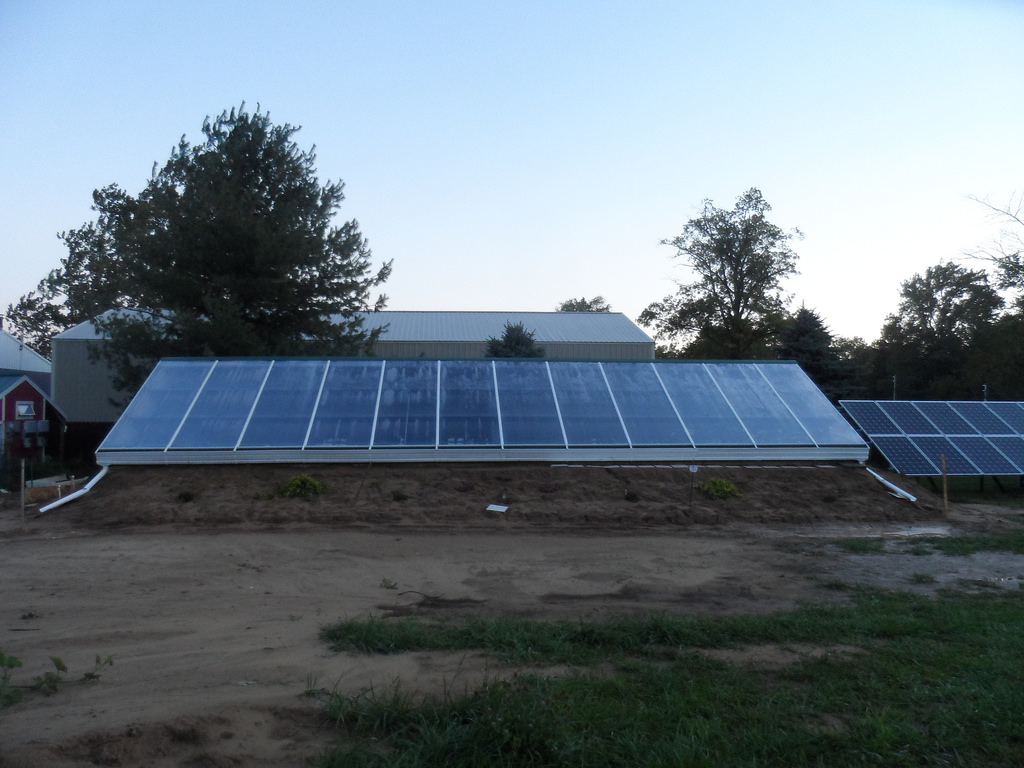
366	409
976	438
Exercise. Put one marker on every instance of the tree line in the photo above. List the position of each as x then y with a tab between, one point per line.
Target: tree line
952	336
232	249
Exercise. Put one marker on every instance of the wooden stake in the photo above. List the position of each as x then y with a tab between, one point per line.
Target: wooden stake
945	487
22	493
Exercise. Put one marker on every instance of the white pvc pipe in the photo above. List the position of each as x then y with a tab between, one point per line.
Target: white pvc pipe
898	491
80	492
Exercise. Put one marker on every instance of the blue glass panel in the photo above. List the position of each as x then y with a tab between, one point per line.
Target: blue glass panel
344	417
1012	448
1011	413
981	417
705	411
870	417
155	412
935	447
907	417
984	455
944	417
761	410
644	406
528	413
588	412
901	453
220	411
469	411
811	408
282	413
407	414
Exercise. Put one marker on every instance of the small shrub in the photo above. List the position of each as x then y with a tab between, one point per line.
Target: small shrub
304	486
399	495
632	495
185	497
719	488
922	578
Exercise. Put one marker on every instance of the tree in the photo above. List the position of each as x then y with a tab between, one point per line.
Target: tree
516	341
805	339
230	249
736	305
596	304
942	315
1006	252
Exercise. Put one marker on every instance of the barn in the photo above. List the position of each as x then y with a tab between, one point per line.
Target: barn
17	358
463	335
83	387
27	417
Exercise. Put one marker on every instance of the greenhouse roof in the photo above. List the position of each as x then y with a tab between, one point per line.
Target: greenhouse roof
366	409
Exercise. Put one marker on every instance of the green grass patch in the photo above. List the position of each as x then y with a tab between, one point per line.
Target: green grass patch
862	546
939	682
1008	541
970	490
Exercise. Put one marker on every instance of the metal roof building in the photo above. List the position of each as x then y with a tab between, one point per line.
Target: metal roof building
463	335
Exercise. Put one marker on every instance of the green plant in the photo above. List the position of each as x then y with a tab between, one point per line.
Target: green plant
399	495
922	578
94	673
387	583
303	486
48	682
8	693
632	495
719	488
185	497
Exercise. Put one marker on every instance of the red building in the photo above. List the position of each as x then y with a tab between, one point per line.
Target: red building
28	419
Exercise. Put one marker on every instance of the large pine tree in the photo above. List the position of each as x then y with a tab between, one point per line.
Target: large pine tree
231	249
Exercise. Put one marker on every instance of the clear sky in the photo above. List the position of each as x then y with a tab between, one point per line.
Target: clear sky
511	154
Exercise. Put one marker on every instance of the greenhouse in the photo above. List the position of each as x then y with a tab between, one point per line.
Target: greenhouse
207	410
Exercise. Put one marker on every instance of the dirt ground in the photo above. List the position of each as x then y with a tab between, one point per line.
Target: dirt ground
209	589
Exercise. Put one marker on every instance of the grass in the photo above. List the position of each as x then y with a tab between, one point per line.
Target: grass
971	490
939	683
1005	541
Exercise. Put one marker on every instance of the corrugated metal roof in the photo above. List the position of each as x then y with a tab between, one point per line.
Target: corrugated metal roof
18	356
478	326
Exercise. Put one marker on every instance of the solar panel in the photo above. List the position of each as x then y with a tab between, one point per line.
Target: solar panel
644	406
758	406
870	417
1012	448
942	415
976	438
155	413
216	418
360	409
1010	413
707	415
348	400
907	417
808	405
588	410
935	447
526	399
982	453
982	418
902	454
